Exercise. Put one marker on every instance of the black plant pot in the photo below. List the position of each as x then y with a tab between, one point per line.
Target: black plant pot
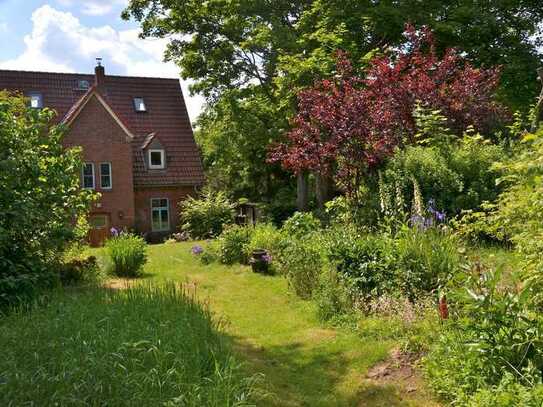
258	261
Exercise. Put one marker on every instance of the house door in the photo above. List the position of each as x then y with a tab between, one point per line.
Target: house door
99	229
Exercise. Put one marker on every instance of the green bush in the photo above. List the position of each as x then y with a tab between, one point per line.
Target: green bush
458	175
268	237
205	217
40	196
78	271
426	260
232	242
366	262
301	263
494	333
127	255
300	224
331	296
142	346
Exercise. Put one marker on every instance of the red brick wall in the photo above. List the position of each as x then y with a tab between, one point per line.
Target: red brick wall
103	140
143	206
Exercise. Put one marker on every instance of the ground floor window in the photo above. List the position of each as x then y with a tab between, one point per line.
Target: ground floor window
160	214
98	221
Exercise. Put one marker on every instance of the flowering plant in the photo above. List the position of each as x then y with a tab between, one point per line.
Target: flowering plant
197	250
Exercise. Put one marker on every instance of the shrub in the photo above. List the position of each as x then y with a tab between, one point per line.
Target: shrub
79	271
40	196
458	174
127	255
331	296
142	346
494	332
268	237
366	262
211	253
427	259
205	217
232	242
300	224
301	263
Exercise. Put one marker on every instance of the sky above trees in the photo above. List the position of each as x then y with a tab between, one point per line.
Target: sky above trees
67	36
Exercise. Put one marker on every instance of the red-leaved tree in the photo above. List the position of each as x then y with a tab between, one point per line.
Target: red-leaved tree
347	125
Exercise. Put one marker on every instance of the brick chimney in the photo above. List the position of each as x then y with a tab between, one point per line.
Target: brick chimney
99	74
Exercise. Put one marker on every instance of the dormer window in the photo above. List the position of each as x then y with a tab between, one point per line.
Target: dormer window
156	159
36	101
139	105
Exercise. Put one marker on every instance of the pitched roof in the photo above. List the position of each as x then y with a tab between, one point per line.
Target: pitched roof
166	114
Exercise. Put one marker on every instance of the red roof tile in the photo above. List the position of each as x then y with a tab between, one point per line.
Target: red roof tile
166	114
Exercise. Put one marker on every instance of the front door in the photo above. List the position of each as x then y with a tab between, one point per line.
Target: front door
99	229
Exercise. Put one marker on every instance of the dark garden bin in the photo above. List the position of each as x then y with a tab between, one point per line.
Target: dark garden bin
260	261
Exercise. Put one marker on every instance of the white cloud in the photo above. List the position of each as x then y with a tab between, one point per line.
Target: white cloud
94	7
3	27
59	42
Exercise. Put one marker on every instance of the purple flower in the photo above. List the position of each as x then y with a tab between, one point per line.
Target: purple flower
197	250
440	216
267	258
114	232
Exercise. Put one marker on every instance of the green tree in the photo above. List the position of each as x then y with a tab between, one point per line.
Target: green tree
40	198
251	57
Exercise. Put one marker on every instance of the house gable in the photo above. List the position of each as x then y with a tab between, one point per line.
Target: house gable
94	96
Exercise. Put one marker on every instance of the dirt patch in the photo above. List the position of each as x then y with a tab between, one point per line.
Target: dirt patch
399	369
118	283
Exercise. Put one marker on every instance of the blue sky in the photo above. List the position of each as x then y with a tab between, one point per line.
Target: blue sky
67	36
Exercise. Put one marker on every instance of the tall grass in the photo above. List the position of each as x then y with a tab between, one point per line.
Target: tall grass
143	346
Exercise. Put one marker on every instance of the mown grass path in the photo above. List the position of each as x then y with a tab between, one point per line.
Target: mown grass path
277	334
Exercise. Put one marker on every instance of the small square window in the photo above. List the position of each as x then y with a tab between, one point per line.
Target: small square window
83	84
139	105
156	159
36	101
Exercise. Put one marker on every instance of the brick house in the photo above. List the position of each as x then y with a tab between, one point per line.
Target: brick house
138	148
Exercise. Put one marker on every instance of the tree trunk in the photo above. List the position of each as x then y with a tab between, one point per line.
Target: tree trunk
302	198
323	189
537	113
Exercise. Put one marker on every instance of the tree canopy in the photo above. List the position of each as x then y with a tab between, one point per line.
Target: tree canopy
250	58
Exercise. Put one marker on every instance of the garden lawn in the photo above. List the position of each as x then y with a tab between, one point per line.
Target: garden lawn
278	335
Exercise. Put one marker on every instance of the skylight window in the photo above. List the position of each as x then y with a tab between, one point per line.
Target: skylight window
139	105
36	101
83	84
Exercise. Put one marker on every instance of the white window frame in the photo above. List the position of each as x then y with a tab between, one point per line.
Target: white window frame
36	96
162	160
160	209
83	176
138	105
110	176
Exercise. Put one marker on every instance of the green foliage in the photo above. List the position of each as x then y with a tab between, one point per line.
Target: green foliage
250	60
302	262
77	271
495	335
426	260
40	197
300	224
365	262
332	296
126	254
143	346
232	243
458	175
206	216
268	237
